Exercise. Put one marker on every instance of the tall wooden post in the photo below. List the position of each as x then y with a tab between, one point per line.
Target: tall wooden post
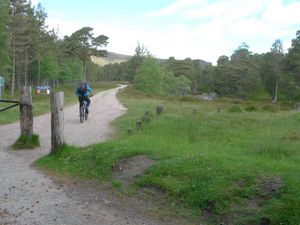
26	117
57	120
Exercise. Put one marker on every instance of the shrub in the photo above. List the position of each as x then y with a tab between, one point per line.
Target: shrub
187	98
172	85
286	106
251	108
149	76
152	78
270	108
235	109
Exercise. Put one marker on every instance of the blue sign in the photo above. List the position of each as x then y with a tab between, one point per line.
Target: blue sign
42	87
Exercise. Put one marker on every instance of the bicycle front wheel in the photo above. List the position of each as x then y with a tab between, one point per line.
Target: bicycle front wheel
82	112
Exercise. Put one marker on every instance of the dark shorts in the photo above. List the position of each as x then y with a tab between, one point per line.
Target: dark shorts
84	98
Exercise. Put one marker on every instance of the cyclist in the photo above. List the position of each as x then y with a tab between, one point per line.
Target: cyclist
83	91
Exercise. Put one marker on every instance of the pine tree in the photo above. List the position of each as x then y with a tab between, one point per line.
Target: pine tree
38	36
4	36
82	44
19	29
136	61
277	58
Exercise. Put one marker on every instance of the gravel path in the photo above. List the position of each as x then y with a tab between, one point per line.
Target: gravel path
28	196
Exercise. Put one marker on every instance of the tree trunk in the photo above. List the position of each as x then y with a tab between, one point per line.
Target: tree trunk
26	117
39	68
57	120
19	71
13	67
84	70
275	97
194	88
26	67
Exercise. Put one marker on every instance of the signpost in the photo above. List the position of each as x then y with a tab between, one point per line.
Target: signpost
2	82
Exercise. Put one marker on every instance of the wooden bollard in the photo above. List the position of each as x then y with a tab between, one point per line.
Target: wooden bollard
195	111
159	109
57	120
219	110
26	117
145	119
139	125
129	131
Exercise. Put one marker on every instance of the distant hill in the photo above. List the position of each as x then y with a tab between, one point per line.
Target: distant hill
111	58
201	63
118	58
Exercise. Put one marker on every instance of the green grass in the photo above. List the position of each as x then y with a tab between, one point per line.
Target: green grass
235	109
25	142
235	167
270	108
41	103
251	108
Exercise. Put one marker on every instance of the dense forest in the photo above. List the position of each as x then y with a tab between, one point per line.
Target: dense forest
273	75
30	53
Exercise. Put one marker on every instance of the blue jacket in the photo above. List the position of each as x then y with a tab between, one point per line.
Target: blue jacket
89	90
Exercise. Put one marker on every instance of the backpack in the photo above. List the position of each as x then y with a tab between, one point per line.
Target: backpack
82	88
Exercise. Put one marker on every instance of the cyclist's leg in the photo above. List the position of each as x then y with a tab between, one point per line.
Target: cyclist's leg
80	98
86	98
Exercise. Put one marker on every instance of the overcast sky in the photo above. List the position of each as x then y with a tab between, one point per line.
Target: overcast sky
199	29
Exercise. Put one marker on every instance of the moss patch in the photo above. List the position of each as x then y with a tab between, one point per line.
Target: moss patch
25	142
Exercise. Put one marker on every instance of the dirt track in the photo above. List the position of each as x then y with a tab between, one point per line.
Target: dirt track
28	196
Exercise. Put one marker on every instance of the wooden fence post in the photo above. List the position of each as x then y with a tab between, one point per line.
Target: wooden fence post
159	109
57	120
26	117
139	125
195	111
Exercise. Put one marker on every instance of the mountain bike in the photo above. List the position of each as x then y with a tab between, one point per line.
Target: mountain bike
83	115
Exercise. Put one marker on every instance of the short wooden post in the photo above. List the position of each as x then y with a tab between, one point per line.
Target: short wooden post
57	120
195	111
139	125
26	117
145	118
159	109
129	131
